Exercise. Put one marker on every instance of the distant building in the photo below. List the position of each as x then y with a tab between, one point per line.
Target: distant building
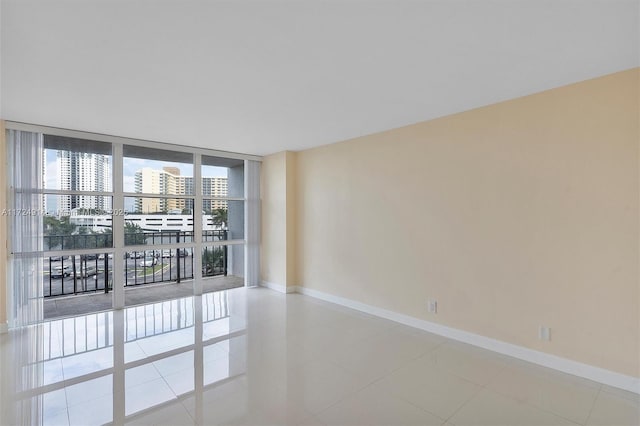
214	187
82	171
147	222
168	181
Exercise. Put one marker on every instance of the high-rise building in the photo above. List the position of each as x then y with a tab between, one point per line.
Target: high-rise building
168	181
82	171
214	187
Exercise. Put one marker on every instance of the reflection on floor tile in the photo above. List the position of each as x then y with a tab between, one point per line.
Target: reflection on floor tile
147	395
138	375
96	411
56	418
88	390
254	356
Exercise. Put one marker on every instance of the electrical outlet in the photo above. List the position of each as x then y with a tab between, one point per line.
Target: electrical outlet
544	333
432	306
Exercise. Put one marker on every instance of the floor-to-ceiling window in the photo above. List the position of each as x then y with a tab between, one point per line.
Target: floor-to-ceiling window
117	214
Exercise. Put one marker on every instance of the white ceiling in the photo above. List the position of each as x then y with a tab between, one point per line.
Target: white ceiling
264	76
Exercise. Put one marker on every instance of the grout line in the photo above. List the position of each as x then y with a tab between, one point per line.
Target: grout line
593	404
475	395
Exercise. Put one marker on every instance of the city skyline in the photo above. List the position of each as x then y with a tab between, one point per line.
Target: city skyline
53	178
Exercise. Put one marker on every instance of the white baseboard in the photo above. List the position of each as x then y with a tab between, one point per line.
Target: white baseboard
597	374
281	288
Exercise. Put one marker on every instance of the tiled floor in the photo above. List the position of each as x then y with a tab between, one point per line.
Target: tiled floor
254	356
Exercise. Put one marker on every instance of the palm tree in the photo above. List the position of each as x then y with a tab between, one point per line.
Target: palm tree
219	217
133	234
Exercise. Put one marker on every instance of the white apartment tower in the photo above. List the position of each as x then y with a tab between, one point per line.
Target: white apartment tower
82	171
168	181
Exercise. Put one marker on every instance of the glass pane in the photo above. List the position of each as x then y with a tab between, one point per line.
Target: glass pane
215	260
77	165
78	228
224	261
222	177
214	182
158	221
67	275
157	266
152	171
225	222
158	206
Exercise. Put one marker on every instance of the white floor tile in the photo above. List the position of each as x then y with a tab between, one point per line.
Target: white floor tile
473	364
175	363
175	414
147	395
86	363
635	397
491	409
138	375
318	385
613	410
89	390
373	406
52	372
55	401
181	382
425	385
551	391
58	418
296	361
96	411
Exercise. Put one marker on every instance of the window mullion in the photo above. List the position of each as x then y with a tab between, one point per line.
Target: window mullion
118	228
197	223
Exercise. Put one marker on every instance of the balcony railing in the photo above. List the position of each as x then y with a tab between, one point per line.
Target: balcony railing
93	271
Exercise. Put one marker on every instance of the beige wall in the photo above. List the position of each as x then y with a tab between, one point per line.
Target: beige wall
291	219
278	219
515	215
3	225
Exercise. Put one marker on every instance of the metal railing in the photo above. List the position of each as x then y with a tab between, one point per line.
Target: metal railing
157	266
105	239
93	272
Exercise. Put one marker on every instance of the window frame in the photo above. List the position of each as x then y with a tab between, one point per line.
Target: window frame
118	195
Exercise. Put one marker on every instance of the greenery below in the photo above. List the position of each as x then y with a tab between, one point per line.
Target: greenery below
213	260
151	270
219	217
62	234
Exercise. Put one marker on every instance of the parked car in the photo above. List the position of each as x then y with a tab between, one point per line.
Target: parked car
183	252
148	261
135	254
88	270
167	253
101	257
59	271
58	258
